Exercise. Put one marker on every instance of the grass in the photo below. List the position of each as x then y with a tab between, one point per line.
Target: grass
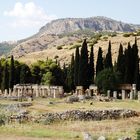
73	130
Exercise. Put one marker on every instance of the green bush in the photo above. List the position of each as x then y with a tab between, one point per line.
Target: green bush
59	47
127	35
75	46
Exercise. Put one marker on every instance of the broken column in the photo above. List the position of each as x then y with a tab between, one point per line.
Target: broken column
115	94
131	95
123	94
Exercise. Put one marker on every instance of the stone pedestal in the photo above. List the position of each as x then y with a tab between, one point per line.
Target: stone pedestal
123	95
108	93
115	94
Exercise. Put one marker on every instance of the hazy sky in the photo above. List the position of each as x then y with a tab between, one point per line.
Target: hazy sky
22	18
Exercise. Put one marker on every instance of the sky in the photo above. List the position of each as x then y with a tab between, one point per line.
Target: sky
22	18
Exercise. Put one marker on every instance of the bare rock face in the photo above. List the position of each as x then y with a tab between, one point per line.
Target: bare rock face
94	23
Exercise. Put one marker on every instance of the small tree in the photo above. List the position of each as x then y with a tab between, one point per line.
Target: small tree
107	79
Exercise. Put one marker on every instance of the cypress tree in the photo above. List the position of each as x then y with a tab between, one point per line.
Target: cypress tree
128	65
70	78
91	67
83	66
121	63
99	63
11	73
76	67
5	78
136	79
108	58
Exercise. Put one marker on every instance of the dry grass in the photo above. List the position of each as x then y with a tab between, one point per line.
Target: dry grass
112	129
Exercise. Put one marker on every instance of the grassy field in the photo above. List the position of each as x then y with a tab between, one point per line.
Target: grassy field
72	130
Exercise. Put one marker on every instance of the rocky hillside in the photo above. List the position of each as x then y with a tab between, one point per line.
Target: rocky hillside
94	23
58	38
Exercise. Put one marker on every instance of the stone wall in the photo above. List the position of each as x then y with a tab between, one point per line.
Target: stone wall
88	115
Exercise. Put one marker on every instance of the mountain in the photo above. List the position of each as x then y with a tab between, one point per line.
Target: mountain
94	23
67	33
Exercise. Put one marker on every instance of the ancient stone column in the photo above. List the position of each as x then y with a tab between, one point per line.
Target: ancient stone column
131	95
54	93
37	92
5	93
115	94
10	92
18	94
138	95
108	93
123	94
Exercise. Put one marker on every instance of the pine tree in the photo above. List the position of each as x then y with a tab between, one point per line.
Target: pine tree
91	67
121	63
11	73
83	66
5	78
108	58
76	67
99	63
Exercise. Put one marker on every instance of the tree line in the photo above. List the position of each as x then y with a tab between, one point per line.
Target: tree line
105	74
82	71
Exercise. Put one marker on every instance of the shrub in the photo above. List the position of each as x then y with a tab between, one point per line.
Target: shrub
75	46
127	35
59	47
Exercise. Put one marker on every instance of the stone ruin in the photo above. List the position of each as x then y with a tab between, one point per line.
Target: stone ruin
128	91
34	90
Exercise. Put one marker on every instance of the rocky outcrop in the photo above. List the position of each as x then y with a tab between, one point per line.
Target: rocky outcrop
94	23
87	115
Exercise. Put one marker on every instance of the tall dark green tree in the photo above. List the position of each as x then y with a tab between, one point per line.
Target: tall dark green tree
83	66
70	75
99	63
76	67
108	58
5	78
136	65
91	67
11	73
128	77
121	63
25	74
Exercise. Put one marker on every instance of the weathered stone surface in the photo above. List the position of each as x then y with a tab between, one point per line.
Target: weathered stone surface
72	99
